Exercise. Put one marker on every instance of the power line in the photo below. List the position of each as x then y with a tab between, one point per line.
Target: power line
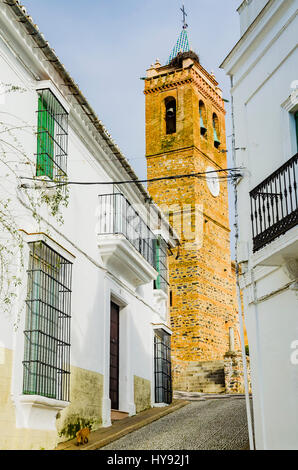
234	173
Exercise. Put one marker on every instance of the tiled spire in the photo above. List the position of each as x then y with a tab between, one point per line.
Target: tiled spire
182	45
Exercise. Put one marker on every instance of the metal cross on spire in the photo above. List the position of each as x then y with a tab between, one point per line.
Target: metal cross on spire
185	25
182	44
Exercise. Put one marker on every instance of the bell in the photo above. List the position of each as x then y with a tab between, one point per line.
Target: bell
202	126
170	112
216	141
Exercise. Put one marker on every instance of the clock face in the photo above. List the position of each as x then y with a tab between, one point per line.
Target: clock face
212	181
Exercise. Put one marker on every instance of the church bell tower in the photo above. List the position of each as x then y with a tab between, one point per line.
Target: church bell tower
185	134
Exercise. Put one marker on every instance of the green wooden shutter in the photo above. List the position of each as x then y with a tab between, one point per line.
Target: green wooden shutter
157	264
45	140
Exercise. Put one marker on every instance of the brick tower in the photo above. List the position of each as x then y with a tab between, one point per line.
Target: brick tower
185	133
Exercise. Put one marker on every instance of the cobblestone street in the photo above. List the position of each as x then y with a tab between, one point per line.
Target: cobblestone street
215	424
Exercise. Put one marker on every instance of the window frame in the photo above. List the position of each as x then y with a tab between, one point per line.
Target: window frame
46	357
161	264
52	133
289	109
163	392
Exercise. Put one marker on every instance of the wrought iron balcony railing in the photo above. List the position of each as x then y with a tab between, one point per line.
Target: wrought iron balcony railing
118	216
274	208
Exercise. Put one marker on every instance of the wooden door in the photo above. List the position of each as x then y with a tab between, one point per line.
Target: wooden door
114	357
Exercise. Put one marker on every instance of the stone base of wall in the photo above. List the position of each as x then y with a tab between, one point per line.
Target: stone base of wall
203	377
12	438
85	409
142	393
233	370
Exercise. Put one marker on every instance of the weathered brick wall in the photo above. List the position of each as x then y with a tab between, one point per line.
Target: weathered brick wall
201	280
233	371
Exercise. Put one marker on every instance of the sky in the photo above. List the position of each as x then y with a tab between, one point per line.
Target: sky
107	45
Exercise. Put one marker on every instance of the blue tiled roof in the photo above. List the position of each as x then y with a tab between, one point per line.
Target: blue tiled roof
182	45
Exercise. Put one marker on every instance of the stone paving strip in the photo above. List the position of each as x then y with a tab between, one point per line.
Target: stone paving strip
198	396
105	436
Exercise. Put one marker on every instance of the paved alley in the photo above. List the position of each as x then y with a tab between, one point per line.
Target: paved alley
214	424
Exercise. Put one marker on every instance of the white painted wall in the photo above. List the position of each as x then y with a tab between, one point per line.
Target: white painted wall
263	66
248	11
93	284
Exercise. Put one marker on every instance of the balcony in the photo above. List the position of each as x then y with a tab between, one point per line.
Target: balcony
126	243
274	208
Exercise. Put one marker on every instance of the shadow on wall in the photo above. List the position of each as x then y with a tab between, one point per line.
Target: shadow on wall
141	349
87	350
87	386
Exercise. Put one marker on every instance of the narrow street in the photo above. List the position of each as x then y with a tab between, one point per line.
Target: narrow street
148	228
214	424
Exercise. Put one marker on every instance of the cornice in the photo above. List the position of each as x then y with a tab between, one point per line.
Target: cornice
193	77
167	86
45	64
247	43
208	92
33	52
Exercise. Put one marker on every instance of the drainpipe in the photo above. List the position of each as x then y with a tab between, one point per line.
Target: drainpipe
240	313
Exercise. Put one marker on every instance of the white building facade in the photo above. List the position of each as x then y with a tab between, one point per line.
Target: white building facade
84	300
263	67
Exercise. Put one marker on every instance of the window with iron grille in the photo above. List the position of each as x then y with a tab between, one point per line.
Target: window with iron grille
47	328
162	367
160	264
52	137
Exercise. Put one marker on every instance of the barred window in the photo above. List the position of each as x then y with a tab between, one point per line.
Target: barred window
162	367
47	329
52	137
160	258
